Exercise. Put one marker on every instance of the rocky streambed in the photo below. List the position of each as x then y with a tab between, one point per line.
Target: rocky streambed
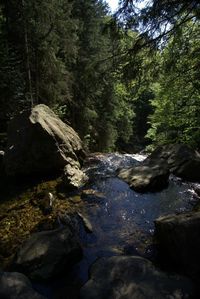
109	219
123	226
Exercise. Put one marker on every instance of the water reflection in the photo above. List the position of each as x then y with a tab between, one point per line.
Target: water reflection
123	211
123	221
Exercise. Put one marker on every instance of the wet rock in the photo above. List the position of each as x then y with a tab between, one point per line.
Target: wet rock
15	285
181	160
69	220
146	178
131	277
178	239
49	253
93	159
39	142
197	190
74	177
185	163
87	224
92	195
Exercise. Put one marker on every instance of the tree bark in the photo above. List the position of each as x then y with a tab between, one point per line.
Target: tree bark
28	69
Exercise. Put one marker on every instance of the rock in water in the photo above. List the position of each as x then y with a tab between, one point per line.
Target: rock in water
153	173
197	190
181	160
146	178
131	277
16	286
92	195
178	238
87	224
39	142
49	253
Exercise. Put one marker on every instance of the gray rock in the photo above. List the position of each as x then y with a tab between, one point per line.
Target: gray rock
197	190
131	277
47	254
146	178
180	159
15	285
74	177
39	142
178	238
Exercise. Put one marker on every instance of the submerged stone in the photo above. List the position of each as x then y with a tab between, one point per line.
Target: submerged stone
87	224
15	285
131	277
92	195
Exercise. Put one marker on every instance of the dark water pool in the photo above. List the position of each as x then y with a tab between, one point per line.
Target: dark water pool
123	220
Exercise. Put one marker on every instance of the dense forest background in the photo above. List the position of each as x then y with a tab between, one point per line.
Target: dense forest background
123	81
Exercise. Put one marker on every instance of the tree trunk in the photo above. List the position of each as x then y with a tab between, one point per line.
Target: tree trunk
28	69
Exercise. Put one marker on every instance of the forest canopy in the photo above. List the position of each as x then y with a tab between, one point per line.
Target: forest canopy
123	81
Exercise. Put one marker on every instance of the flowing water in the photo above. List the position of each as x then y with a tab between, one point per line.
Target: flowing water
122	219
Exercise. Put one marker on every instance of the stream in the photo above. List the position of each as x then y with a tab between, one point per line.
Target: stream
122	220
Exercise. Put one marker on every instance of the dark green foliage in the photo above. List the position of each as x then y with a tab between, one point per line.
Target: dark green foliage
176	105
40	42
171	29
98	106
11	71
155	15
110	82
66	54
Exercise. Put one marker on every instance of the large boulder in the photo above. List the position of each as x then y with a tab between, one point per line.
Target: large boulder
153	173
16	286
146	178
39	142
181	160
47	254
178	238
131	277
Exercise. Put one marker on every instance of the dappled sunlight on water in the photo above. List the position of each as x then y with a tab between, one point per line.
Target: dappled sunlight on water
124	212
123	221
